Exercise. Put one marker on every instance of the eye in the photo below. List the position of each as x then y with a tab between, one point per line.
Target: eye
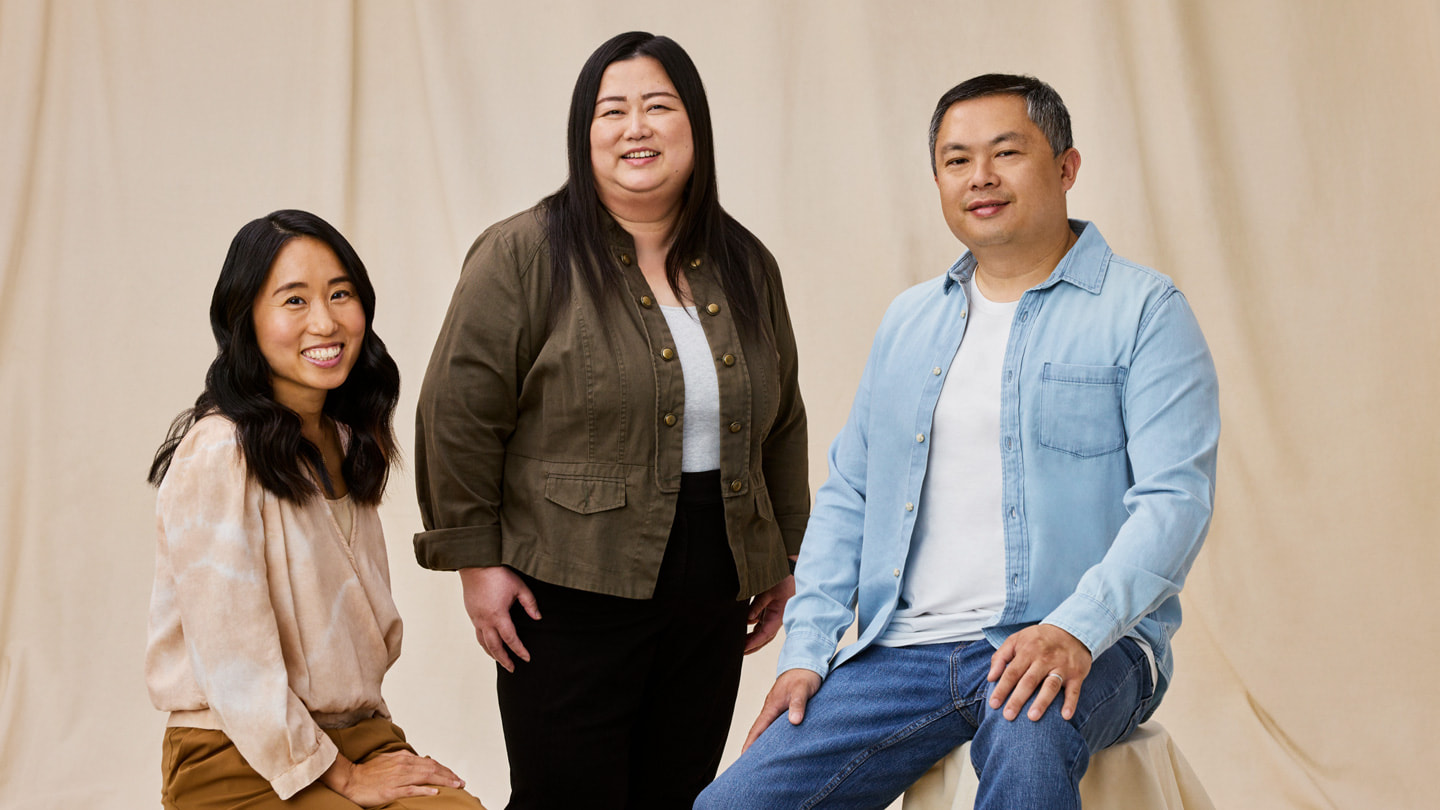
294	301
341	295
1007	153
959	161
654	107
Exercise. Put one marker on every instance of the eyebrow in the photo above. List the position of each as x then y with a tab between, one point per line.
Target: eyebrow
294	285
995	141
644	97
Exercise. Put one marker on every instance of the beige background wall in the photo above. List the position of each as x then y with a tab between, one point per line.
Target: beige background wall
1278	159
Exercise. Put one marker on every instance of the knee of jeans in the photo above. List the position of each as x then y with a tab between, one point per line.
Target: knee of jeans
1023	738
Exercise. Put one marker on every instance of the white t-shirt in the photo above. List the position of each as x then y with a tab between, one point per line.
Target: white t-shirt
700	421
955	576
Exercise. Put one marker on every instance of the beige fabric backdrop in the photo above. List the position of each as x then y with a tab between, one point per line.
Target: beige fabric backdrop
1278	159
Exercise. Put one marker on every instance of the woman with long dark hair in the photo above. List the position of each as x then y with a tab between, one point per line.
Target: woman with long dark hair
611	449
271	622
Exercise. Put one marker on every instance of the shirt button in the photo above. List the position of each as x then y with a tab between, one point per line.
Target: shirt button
728	359
713	309
897	572
963	312
735	427
919	437
909	507
736	486
668	354
1009	375
1007	447
625	259
935	371
694	262
670	419
646	301
1012	511
1024	316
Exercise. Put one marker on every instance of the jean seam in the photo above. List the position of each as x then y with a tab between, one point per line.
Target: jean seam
864	756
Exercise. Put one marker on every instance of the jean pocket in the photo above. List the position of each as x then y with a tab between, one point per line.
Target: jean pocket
1082	409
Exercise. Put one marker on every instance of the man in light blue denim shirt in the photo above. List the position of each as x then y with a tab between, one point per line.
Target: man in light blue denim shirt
1026	476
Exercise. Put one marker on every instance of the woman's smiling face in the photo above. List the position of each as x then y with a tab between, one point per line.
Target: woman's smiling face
640	139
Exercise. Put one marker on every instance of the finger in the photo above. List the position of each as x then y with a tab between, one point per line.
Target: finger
527	601
768	713
1005	681
798	699
1024	689
999	660
506	629
758	606
763	633
495	648
1072	698
1049	688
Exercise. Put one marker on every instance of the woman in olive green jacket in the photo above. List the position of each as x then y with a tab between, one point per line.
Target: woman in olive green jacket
611	437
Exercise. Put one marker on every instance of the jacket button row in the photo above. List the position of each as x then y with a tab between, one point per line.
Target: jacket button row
736	486
670	419
713	309
668	353
735	427
728	359
646	301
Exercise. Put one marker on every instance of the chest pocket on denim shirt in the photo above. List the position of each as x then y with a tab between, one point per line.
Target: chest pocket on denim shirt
1082	409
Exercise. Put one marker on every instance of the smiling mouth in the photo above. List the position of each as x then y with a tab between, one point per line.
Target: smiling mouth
641	153
322	354
986	207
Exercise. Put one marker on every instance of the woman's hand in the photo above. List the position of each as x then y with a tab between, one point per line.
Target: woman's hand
489	593
767	612
388	777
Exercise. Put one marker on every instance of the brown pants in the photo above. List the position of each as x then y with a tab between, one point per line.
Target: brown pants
202	771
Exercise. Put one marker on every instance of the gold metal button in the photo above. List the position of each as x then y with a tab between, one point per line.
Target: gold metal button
625	259
670	419
694	262
646	301
713	309
728	359
736	486
735	427
668	354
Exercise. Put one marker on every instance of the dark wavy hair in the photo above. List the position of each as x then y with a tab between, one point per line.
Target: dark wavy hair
573	213
238	385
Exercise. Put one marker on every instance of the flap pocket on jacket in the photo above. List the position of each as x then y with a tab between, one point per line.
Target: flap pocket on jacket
585	495
1082	409
762	503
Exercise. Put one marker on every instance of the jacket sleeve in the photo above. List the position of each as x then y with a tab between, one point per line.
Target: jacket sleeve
214	537
468	405
786	448
1172	422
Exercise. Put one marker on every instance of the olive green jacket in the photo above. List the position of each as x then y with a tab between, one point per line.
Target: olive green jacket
555	448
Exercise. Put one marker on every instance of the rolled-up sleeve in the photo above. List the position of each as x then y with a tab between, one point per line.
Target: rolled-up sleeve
468	405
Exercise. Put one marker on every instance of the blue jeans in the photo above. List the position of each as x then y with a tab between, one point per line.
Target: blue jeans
886	716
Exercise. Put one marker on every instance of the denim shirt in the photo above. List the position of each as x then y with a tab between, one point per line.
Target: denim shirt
1109	424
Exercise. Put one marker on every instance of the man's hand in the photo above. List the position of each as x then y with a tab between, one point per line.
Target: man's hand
489	593
792	690
388	777
1026	662
767	611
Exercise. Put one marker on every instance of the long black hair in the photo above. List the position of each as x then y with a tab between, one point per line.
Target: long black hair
238	385
573	213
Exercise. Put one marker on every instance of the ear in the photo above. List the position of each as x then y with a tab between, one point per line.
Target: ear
1069	167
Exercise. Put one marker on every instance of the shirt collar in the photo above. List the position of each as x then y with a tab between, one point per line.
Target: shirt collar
1084	265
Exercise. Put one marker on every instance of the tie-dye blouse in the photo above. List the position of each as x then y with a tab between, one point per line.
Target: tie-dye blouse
266	622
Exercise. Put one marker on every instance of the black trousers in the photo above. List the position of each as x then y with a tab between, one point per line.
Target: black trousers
626	703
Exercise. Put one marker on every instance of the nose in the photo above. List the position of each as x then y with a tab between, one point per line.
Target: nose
983	174
321	321
636	126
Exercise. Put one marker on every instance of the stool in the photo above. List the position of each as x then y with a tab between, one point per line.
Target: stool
1146	771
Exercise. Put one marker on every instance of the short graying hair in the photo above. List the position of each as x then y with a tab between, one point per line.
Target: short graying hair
1042	104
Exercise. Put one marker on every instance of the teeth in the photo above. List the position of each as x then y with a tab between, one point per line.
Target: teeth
644	153
322	353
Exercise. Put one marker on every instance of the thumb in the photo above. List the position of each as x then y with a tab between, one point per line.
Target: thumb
797	707
527	601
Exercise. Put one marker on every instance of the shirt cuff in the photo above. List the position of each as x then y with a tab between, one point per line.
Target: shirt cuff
806	650
304	773
463	547
1089	621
